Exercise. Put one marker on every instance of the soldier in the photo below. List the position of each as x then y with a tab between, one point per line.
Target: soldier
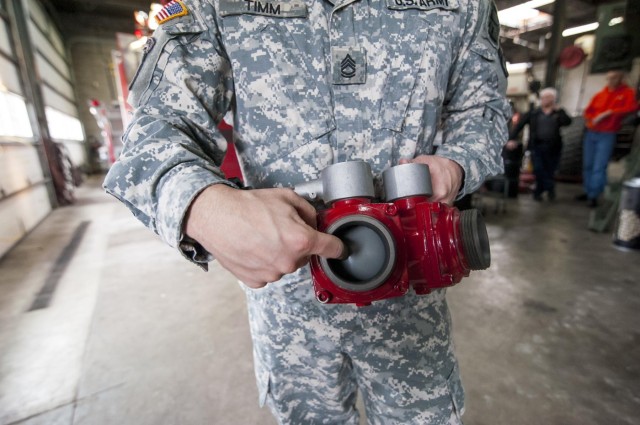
312	83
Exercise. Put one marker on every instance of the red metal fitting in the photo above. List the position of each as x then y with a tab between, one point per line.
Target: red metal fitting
405	242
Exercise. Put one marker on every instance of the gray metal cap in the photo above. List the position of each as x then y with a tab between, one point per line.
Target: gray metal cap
372	253
344	180
407	180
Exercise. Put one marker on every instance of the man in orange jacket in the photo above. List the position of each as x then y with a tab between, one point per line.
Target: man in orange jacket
603	117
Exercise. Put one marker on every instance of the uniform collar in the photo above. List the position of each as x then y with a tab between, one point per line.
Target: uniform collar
340	3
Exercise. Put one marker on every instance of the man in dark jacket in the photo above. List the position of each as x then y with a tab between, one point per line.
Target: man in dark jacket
545	141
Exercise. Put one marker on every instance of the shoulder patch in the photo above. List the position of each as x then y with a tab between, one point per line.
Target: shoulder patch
172	10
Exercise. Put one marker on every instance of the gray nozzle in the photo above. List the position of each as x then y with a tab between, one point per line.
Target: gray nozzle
372	253
403	181
344	180
310	190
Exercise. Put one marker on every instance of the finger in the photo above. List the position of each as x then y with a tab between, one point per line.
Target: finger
328	246
404	161
305	210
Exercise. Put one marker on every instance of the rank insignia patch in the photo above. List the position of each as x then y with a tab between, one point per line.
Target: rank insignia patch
349	65
172	10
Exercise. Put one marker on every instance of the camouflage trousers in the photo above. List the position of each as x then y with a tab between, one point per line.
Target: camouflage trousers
310	359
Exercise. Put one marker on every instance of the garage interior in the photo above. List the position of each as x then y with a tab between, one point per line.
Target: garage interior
101	323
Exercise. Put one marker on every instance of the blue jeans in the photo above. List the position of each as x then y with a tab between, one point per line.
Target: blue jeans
545	164
595	159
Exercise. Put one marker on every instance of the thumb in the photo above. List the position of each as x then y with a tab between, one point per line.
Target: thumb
328	246
405	161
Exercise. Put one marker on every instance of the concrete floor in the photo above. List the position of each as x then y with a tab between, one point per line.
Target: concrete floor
133	334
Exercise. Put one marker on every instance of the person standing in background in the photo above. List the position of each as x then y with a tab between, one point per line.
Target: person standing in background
545	141
603	119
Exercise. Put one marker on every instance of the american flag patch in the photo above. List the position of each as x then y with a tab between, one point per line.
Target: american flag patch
172	10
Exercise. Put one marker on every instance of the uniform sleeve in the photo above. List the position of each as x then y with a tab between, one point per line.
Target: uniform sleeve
476	112
521	123
590	111
563	118
628	106
172	148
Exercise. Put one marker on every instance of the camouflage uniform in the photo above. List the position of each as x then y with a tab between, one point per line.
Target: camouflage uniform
311	83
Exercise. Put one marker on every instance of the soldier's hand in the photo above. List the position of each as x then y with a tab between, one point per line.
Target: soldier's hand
258	235
602	116
446	176
511	145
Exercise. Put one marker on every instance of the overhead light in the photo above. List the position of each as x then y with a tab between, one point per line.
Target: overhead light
579	30
155	9
533	4
616	21
141	17
525	15
515	68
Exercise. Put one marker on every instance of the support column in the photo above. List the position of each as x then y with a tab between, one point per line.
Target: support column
51	165
559	23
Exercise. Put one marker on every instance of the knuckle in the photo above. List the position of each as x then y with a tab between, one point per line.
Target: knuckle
301	242
290	267
272	276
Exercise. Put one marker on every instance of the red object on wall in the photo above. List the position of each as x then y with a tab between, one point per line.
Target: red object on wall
230	165
571	56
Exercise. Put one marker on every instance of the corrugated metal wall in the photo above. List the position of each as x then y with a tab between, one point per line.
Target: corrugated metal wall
54	71
25	187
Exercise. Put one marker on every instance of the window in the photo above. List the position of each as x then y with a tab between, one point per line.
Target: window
14	117
63	126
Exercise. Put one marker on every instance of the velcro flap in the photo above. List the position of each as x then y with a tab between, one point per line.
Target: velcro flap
273	8
422	4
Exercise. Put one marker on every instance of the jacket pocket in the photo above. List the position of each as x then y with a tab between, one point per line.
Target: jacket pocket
264	379
485	50
457	392
283	97
417	68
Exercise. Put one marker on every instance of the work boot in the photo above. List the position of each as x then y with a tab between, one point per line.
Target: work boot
592	203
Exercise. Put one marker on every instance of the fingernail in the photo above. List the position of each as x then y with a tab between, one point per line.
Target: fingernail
345	253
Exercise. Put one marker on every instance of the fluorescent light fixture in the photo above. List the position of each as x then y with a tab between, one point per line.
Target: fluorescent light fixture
155	9
616	21
579	30
525	14
140	17
533	4
515	68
